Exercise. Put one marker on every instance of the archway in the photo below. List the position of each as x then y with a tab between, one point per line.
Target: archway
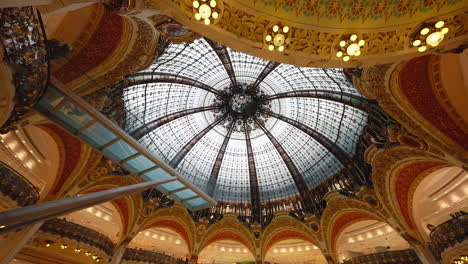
292	250
225	251
104	218
365	237
439	194
162	239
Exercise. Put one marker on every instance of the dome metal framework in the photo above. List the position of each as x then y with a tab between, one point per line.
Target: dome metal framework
241	128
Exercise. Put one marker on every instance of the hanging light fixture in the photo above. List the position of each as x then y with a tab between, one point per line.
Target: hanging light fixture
430	36
277	38
206	10
350	46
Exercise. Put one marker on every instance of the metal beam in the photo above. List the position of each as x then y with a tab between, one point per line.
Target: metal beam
158	77
141	131
267	70
16	218
223	55
345	98
253	179
331	146
186	149
219	160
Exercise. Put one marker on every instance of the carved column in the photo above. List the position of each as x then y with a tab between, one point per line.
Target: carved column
12	242
425	254
119	251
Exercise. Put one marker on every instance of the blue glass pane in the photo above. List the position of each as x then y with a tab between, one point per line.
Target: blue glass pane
139	164
97	135
184	194
73	116
49	100
156	174
171	186
120	150
197	203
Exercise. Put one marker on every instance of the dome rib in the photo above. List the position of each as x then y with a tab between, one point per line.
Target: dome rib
144	129
253	179
331	146
265	72
225	59
186	149
218	162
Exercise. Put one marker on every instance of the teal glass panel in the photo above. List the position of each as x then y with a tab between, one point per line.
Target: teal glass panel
156	174
73	116
120	150
171	186
49	100
97	135
139	164
197	203
185	194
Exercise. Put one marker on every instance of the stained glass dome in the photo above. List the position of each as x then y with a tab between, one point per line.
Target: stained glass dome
242	128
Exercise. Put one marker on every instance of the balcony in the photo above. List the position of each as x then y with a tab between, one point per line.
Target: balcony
449	234
79	233
23	38
17	188
407	256
141	255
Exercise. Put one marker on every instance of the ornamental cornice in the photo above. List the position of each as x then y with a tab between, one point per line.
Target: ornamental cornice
245	29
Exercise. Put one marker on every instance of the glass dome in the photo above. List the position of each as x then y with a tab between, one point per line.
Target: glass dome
242	128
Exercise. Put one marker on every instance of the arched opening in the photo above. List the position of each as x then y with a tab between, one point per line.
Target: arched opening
367	237
225	251
34	154
164	240
104	218
439	194
291	251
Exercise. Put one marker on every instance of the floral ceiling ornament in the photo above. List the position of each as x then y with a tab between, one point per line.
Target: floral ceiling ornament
350	46
430	36
277	38
207	11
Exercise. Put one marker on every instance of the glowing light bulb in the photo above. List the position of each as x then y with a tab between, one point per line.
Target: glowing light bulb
281	48
205	11
213	3
268	38
424	31
422	48
285	29
215	15
278	40
196	4
197	16
346	58
339	54
417	42
353	37
361	42
207	21
342	43
353	49
434	39
275	28
271	47
439	24
444	31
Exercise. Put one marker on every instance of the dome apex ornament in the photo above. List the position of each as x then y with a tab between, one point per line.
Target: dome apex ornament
430	36
207	11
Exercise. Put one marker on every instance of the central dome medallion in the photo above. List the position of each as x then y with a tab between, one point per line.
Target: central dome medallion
241	104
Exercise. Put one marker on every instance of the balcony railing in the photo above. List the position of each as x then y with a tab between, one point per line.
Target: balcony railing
15	186
141	255
449	233
407	256
23	37
78	233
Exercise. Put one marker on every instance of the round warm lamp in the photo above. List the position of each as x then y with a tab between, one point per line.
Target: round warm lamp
353	49
435	39
278	40
205	11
